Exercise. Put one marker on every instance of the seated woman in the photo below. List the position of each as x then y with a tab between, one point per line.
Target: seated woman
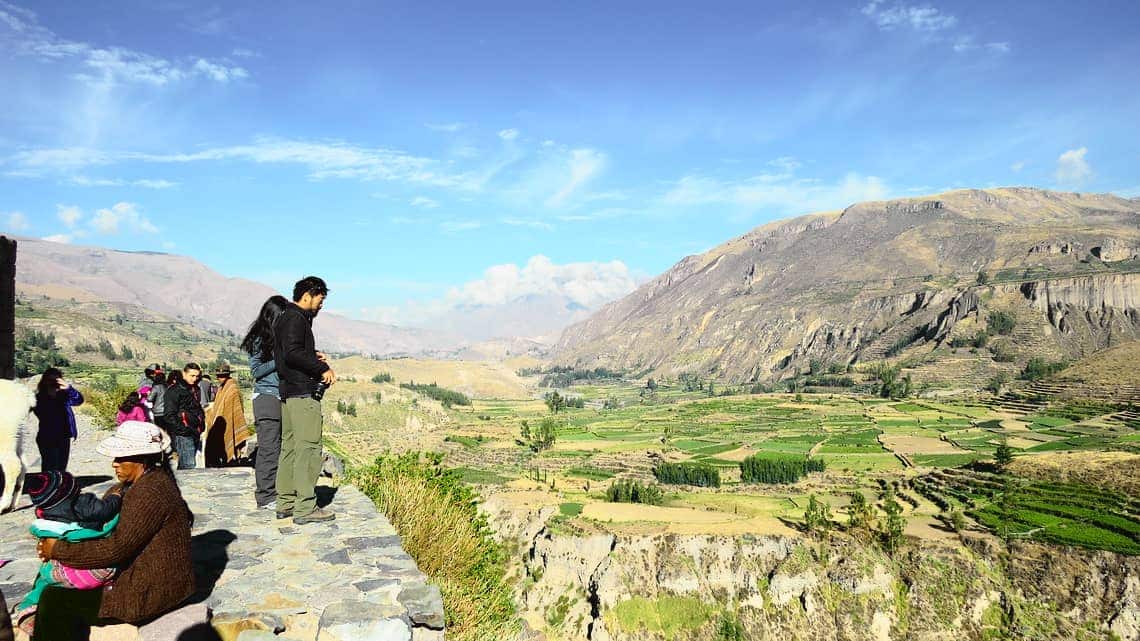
150	545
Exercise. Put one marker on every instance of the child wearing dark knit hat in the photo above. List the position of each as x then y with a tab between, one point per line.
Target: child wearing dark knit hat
57	498
62	511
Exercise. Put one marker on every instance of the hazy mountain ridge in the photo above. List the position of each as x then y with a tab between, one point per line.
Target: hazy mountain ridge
183	288
833	285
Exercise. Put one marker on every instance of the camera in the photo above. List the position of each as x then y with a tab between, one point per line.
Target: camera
319	393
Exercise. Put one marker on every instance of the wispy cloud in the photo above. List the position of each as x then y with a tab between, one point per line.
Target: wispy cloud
84	181
455	226
69	215
526	222
323	159
781	190
583	164
919	18
1072	168
58	238
22	35
16	221
1017	166
929	22
449	127
423	202
509	134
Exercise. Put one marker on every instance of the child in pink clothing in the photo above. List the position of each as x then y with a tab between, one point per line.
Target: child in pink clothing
131	409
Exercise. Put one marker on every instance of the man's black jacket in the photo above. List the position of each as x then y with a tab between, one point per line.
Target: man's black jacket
295	351
183	414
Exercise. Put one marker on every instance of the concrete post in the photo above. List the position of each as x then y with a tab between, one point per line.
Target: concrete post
7	308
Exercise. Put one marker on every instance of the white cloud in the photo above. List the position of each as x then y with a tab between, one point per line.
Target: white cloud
1131	192
523	222
509	134
1017	166
589	284
449	127
219	72
323	159
24	36
583	164
68	214
58	238
121	216
919	18
84	181
423	202
928	22
1072	168
241	52
781	190
16	221
453	226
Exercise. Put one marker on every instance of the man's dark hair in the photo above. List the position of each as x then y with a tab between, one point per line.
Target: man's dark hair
309	285
189	366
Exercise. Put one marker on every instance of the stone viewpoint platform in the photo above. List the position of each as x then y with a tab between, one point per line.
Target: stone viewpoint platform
259	577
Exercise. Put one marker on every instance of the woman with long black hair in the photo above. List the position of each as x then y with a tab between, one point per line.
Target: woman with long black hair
258	343
54	399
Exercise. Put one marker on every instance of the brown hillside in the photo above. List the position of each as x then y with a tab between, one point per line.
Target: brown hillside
881	278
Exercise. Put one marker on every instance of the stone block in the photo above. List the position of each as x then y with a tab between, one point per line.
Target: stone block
424	604
177	624
357	621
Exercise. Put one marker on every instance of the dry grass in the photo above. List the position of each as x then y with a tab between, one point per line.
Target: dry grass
477	379
440	528
1117	471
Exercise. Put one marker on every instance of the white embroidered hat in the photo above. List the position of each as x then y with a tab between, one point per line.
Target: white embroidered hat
134	438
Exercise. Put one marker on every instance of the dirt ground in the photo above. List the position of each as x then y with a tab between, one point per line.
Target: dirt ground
919	445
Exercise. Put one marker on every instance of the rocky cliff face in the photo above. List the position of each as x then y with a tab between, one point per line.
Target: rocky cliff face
849	286
611	588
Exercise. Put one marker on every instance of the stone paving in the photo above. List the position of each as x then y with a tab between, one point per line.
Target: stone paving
344	580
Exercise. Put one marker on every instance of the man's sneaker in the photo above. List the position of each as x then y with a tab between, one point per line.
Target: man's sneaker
316	516
272	505
284	515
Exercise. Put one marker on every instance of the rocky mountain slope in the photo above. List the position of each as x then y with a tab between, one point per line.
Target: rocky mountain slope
878	279
181	288
670	586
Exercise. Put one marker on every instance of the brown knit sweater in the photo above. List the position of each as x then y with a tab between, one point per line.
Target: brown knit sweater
151	548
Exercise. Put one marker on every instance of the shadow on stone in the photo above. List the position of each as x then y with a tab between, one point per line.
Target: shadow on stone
325	495
200	632
208	552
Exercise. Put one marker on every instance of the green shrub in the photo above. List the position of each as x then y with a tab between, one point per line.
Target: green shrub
630	491
999	322
777	468
445	396
687	473
440	526
1038	368
382	377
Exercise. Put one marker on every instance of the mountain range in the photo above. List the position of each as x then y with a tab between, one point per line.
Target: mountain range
879	280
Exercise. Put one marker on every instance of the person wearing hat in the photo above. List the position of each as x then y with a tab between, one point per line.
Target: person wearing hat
63	512
150	546
226	429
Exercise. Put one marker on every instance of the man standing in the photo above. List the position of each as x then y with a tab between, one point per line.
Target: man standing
184	418
303	373
226	429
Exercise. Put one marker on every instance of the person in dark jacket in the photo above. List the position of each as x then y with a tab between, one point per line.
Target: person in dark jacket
258	343
303	373
150	545
54	399
184	418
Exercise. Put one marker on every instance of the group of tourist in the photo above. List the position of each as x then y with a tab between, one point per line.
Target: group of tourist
125	557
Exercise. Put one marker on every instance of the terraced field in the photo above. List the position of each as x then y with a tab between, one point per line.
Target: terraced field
625	432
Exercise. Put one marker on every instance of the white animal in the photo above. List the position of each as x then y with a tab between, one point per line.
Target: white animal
15	401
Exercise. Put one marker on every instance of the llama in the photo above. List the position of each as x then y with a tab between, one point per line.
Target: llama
15	401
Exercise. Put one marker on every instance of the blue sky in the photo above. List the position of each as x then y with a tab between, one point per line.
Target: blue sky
422	157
